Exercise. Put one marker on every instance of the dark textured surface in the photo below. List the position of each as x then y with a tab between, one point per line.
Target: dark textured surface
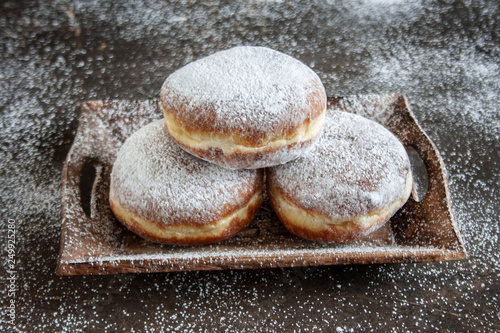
443	55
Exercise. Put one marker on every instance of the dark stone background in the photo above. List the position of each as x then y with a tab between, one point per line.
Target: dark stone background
444	55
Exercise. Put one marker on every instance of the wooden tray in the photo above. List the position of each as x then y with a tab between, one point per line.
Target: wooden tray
94	242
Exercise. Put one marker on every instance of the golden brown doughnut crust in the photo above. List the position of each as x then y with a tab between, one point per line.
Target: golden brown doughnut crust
233	225
243	159
164	194
247	136
330	232
246	107
355	178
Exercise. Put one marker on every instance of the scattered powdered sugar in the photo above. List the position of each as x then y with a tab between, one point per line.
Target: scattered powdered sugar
442	55
356	167
255	90
154	178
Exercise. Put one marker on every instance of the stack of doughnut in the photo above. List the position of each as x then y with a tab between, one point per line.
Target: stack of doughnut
197	176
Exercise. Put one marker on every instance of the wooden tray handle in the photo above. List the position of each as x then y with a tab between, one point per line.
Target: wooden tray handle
72	208
429	221
94	233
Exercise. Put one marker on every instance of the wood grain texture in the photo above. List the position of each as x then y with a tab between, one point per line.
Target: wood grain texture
420	231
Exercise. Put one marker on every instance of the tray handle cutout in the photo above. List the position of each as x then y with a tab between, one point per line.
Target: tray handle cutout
419	173
87	179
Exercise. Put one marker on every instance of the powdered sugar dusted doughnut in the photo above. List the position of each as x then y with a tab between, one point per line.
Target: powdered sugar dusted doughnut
354	179
164	194
246	107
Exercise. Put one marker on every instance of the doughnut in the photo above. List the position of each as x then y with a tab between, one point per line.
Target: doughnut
245	107
166	195
353	180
